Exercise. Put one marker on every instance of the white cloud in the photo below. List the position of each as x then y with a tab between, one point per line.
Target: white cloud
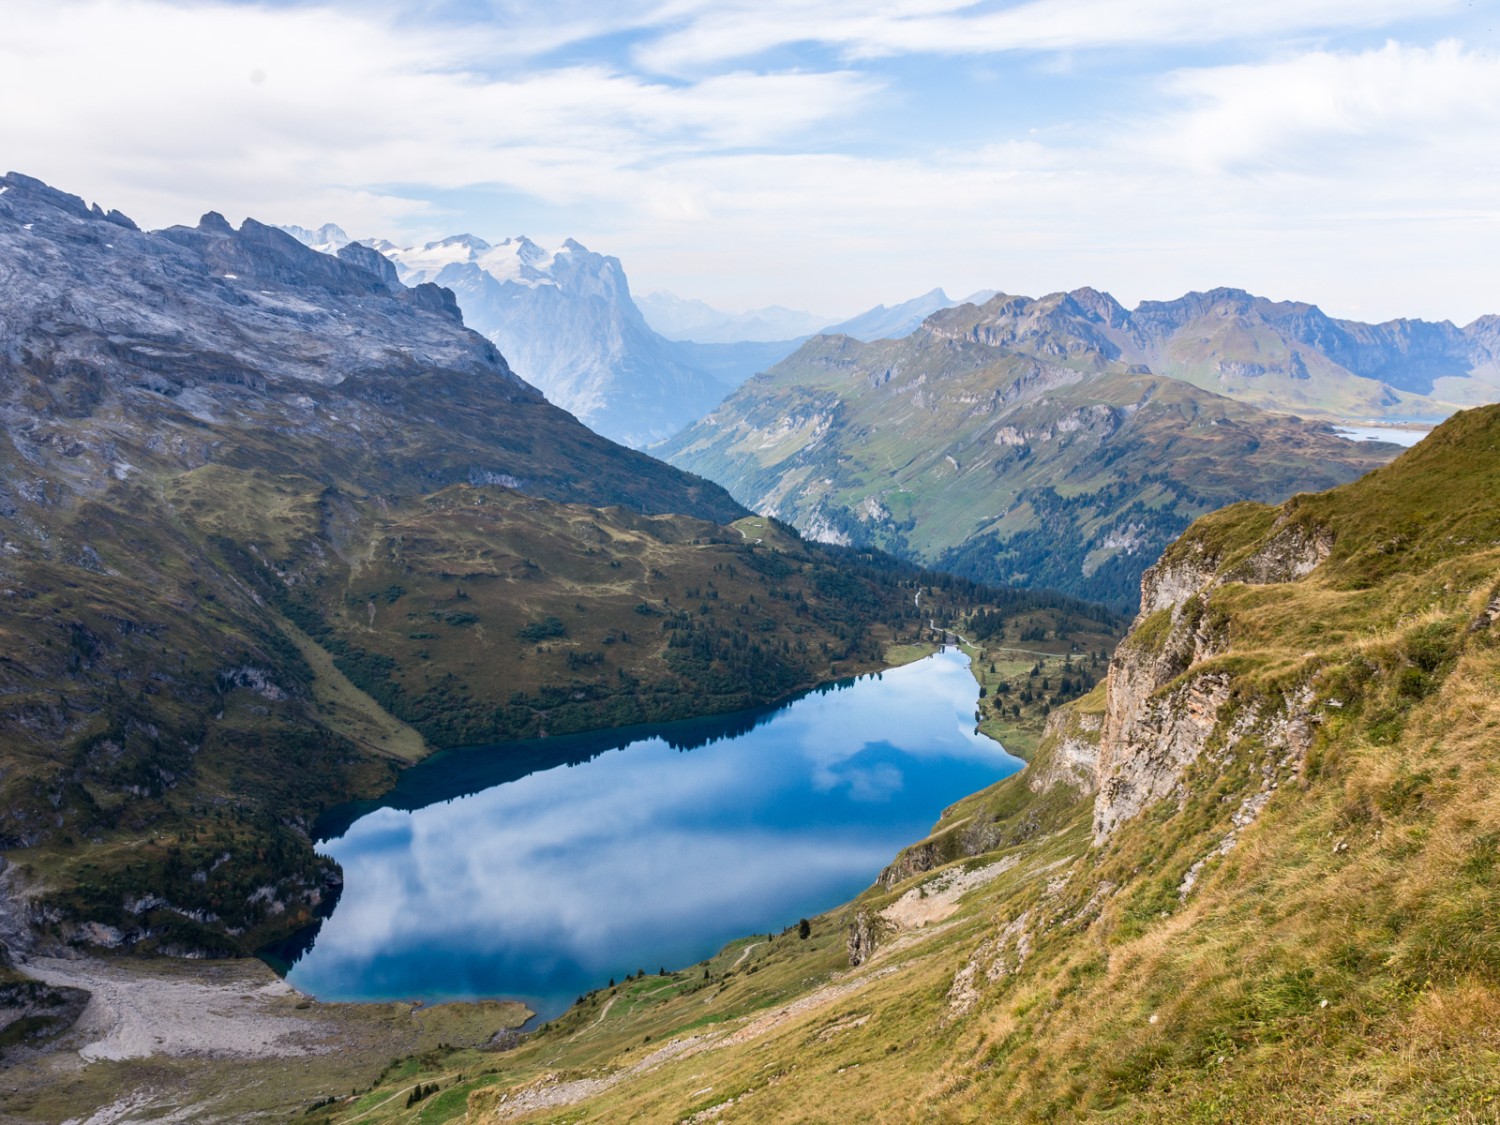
714	32
1318	111
160	107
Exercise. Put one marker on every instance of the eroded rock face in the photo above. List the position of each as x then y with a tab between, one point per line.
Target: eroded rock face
913	861
1153	744
1292	553
1075	754
862	938
1160	716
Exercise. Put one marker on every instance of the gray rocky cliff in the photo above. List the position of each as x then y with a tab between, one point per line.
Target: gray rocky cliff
124	352
1166	698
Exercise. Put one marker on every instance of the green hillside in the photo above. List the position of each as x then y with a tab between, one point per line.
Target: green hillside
943	448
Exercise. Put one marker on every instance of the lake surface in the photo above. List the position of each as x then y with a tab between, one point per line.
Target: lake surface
1394	434
498	872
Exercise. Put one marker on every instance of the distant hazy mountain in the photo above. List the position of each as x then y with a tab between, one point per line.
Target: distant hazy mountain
566	323
952	446
882	323
679	318
733	359
731	364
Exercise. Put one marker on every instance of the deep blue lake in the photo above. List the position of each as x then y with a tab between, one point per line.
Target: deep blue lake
496	871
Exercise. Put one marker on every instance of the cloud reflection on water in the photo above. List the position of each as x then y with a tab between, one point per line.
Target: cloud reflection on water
545	886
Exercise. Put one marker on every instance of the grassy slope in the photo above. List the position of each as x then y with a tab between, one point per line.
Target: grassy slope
997	466
1340	962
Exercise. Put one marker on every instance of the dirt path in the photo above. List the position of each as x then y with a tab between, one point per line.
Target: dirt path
404	1090
554	1092
604	1011
743	954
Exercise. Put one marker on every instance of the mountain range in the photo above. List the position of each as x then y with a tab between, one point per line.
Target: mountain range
633	369
1280	355
883	323
275	523
565	321
640	370
680	318
991	451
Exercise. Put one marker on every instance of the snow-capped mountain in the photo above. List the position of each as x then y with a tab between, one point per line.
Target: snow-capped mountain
327	239
565	321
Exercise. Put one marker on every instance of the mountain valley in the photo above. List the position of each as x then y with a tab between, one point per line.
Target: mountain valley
279	519
1249	878
275	523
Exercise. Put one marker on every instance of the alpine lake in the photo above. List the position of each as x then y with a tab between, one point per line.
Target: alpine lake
538	871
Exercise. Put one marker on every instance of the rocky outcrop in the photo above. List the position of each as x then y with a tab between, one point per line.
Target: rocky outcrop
1166	700
1293	552
915	860
1071	741
1002	955
864	935
1151	742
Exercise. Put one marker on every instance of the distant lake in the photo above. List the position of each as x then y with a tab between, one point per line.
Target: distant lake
1394	434
496	871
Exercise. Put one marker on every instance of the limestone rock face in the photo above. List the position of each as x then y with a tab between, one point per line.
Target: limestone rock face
862	938
1075	752
1160	716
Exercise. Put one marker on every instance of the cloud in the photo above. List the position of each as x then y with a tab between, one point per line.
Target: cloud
289	112
715	32
1321	111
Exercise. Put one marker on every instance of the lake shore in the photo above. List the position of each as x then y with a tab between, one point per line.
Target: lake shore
170	1041
166	1040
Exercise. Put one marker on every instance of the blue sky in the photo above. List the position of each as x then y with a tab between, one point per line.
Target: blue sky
828	155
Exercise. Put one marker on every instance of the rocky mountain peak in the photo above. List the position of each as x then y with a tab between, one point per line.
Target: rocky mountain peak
566	322
214	223
1099	306
368	258
328	238
463	241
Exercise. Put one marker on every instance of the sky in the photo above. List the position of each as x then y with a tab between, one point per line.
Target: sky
824	156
